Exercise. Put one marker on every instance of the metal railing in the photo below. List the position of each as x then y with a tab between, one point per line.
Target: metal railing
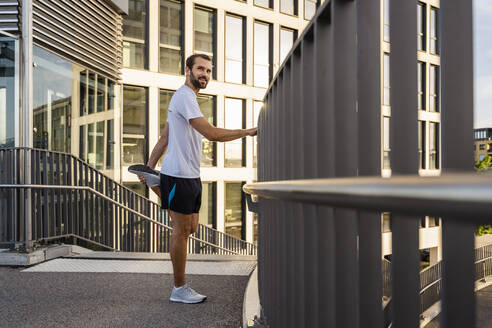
319	241
66	197
430	277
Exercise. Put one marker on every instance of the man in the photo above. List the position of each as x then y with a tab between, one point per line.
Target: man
180	185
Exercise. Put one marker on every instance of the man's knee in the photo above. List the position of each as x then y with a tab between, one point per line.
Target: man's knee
182	225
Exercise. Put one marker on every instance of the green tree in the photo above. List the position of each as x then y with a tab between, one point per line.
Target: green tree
483	165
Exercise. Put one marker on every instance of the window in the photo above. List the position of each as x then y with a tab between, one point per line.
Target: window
421	85
386	79
208	209
205	33
110	144
209	110
171	38
386	143
256	113
52	100
164	100
386	225
433	146
101	94
262	55
135	35
234	49
139	188
134	145
434	45
7	91
421	142
234	119
434	88
386	28
234	210
264	3
481	147
288	7
287	38
433	222
421	27
92	93
310	8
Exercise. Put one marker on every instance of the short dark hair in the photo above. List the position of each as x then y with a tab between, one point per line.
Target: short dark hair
190	61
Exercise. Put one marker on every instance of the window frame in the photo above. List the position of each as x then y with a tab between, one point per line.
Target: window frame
139	41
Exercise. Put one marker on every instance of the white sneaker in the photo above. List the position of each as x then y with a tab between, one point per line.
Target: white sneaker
152	177
185	294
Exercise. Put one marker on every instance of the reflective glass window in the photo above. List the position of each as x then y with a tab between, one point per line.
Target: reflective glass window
101	94
92	93
207	214
135	35
164	100
422	145
7	91
309	8
204	33
386	26
288	7
209	148
171	38
263	3
386	79
386	143
234	49
434	32
386	222
433	145
234	210
110	144
287	38
52	100
134	125
262	60
421	26
233	150
434	88
421	85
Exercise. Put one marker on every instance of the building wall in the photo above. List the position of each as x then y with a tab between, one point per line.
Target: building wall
149	77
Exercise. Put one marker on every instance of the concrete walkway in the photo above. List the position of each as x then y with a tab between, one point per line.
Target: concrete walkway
40	297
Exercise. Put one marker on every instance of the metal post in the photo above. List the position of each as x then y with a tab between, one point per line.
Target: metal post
27	101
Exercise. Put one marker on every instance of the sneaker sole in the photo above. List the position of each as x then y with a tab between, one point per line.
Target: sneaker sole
153	180
185	301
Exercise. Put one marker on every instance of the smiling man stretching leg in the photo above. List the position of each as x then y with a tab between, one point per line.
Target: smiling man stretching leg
181	188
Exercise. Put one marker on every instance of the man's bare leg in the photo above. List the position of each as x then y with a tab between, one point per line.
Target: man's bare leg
182	226
194	222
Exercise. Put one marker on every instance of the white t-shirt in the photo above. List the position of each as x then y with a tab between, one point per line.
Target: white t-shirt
184	150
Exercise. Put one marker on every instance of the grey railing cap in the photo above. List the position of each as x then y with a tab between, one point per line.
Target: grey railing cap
449	194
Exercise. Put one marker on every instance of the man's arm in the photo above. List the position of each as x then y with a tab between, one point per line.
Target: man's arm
213	133
159	148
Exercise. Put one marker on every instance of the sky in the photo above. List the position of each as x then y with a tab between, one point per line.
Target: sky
483	63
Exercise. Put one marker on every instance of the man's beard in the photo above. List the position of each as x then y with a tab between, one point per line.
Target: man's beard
196	83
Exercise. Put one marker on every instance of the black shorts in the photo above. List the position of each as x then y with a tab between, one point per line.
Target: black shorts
181	195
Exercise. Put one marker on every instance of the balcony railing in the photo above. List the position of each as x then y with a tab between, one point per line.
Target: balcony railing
319	254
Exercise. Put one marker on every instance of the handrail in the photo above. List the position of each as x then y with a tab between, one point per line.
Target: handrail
65	169
31	186
401	194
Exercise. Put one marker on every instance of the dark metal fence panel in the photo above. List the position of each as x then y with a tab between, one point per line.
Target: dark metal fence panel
456	46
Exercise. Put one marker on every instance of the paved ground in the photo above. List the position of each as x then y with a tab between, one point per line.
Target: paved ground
484	310
87	299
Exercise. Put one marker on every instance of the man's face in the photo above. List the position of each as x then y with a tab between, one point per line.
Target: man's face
200	74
